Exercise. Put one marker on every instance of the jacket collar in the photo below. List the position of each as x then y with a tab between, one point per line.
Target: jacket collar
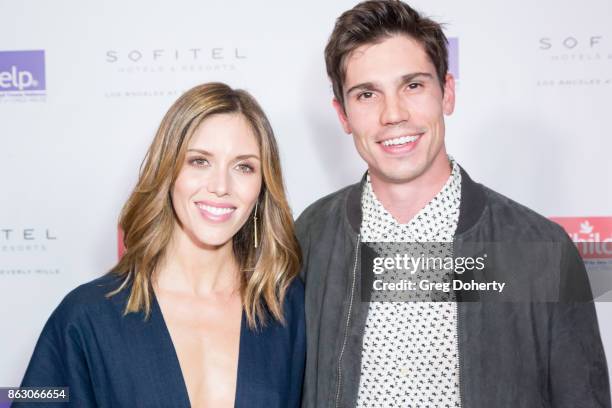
472	205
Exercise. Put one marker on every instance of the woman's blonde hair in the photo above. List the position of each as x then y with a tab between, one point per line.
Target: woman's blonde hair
147	218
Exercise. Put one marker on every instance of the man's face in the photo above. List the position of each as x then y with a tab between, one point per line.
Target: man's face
394	108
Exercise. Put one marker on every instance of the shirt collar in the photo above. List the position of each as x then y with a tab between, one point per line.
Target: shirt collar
451	191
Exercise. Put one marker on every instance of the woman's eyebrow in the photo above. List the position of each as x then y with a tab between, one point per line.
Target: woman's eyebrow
239	157
204	152
247	156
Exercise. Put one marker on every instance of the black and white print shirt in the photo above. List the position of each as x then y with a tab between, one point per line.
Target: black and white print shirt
410	352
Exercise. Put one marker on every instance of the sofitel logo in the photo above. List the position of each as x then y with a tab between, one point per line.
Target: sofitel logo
152	72
569	48
570	43
592	235
174	55
25	251
26	234
22	71
25	239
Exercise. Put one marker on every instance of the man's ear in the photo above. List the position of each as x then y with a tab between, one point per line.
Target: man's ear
342	116
448	99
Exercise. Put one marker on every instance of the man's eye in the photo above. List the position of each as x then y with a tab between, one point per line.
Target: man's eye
198	162
365	95
414	85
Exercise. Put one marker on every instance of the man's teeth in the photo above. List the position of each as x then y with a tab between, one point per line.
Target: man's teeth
216	210
400	140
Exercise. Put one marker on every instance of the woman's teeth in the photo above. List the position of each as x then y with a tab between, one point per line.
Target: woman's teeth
216	210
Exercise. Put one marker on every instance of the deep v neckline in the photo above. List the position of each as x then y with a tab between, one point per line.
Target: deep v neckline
156	313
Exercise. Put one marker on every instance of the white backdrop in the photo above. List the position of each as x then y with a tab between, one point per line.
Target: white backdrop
532	118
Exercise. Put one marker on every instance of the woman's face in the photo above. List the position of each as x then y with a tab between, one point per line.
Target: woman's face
220	180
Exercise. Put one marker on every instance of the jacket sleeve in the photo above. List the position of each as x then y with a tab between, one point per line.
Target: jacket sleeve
578	369
59	360
303	236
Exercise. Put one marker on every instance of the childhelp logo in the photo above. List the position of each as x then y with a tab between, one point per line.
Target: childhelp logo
22	72
592	235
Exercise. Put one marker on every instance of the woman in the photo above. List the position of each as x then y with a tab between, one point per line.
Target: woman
204	308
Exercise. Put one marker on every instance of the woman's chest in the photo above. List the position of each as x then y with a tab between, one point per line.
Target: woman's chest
206	341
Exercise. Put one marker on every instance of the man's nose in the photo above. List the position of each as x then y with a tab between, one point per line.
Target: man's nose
394	111
219	182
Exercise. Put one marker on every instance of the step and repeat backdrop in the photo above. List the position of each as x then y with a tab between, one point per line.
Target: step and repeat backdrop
83	86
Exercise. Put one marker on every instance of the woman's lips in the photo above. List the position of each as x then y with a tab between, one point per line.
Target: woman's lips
215	212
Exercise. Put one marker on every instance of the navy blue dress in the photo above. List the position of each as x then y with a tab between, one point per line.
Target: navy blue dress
110	360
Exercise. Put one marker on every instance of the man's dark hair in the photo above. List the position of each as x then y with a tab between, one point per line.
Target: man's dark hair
373	21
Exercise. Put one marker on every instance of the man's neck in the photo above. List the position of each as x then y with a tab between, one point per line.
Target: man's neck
404	200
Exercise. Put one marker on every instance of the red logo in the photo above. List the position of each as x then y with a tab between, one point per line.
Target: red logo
592	235
120	247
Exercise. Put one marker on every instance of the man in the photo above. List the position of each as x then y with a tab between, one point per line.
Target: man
537	344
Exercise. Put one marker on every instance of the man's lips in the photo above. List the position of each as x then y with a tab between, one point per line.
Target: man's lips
400	144
400	140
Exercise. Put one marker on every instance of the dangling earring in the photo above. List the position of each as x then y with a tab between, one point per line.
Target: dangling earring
255	223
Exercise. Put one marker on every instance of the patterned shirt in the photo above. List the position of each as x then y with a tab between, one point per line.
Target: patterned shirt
410	353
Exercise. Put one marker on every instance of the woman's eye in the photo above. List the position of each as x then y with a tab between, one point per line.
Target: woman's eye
245	168
198	162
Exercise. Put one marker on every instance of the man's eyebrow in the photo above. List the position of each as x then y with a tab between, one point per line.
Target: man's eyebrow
364	85
239	157
405	78
414	75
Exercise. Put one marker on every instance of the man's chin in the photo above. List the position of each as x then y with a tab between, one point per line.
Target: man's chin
397	177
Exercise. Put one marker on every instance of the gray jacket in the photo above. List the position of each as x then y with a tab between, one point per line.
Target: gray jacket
538	345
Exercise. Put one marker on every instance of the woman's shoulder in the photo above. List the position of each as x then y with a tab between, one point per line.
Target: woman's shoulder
90	298
293	304
294	297
92	293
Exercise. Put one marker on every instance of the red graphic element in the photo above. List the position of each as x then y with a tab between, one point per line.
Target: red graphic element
592	235
120	246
